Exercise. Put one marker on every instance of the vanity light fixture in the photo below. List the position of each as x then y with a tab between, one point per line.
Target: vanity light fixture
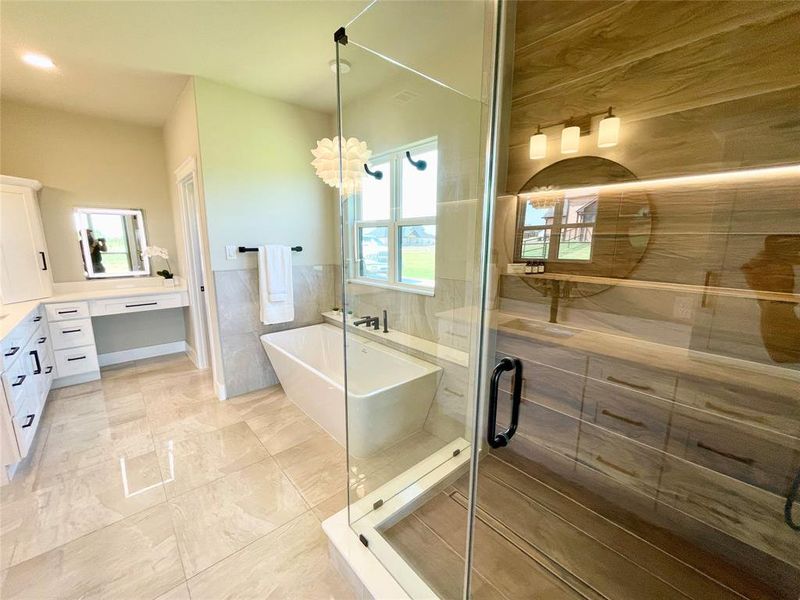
608	133
538	145
40	61
570	138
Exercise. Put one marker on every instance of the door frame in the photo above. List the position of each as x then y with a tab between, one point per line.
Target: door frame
195	277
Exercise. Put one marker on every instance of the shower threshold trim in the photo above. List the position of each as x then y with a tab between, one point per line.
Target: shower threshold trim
405	493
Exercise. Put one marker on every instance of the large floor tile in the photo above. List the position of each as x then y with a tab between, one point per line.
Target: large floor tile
134	558
72	506
176	419
180	592
282	425
330	506
317	467
80	444
96	406
256	403
222	517
200	459
289	563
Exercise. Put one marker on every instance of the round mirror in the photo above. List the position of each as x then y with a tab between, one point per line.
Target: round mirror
571	218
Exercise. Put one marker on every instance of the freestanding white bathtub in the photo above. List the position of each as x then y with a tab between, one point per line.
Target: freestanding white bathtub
390	393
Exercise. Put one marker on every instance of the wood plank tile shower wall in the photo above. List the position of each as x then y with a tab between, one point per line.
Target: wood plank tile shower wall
669	403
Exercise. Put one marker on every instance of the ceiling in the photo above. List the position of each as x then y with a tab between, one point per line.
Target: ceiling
130	59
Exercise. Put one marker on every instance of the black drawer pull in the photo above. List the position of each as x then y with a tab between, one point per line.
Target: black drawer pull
747	461
141	304
37	319
644	388
35	355
71	330
42	340
12	351
608	413
44	261
29	421
67	312
76	358
20	379
48	370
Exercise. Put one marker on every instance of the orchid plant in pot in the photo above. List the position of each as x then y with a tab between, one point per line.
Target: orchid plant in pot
155	251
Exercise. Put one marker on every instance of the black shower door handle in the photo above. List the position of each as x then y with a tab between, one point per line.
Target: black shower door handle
499	440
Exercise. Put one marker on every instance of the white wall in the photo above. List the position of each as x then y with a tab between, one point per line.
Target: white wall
259	184
86	161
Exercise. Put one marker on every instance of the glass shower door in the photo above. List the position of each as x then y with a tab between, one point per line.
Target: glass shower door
646	382
412	111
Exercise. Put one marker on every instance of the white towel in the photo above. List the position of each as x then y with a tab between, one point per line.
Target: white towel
275	284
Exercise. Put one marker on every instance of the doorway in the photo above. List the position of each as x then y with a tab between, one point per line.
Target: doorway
197	328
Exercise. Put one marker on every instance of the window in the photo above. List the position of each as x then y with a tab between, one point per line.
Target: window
562	231
395	231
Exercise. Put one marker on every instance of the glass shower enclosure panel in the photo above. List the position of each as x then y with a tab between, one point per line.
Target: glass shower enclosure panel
652	368
413	145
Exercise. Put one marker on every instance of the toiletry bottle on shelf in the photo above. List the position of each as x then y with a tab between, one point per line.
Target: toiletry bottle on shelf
528	267
541	267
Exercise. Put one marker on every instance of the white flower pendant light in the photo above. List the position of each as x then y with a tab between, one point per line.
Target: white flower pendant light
326	162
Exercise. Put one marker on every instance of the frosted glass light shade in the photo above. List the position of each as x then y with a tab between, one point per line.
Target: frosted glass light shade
538	147
608	133
326	162
570	136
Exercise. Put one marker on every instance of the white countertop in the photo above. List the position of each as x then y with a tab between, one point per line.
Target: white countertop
15	313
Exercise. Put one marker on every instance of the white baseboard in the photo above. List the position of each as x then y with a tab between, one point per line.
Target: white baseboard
114	358
192	354
60	382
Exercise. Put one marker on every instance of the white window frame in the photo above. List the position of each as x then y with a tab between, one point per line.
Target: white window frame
394	222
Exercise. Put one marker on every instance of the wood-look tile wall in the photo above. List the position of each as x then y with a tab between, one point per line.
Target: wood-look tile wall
700	87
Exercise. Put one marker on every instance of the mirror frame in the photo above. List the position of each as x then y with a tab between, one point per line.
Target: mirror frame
87	259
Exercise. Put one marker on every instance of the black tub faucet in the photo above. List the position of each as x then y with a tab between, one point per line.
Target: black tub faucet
375	322
385	322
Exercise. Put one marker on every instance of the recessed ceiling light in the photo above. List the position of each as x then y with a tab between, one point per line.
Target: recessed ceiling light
344	66
40	61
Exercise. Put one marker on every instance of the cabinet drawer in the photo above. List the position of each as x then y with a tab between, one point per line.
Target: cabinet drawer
76	361
13	343
634	377
754	456
634	415
773	410
67	310
71	334
115	306
26	422
18	384
624	461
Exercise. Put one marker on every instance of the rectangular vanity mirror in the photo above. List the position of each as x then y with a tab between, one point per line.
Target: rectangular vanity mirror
111	242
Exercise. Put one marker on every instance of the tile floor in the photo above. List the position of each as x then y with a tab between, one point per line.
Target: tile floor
142	485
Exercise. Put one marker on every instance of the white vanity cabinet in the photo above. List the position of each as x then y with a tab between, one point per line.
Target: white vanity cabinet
74	347
24	263
27	369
